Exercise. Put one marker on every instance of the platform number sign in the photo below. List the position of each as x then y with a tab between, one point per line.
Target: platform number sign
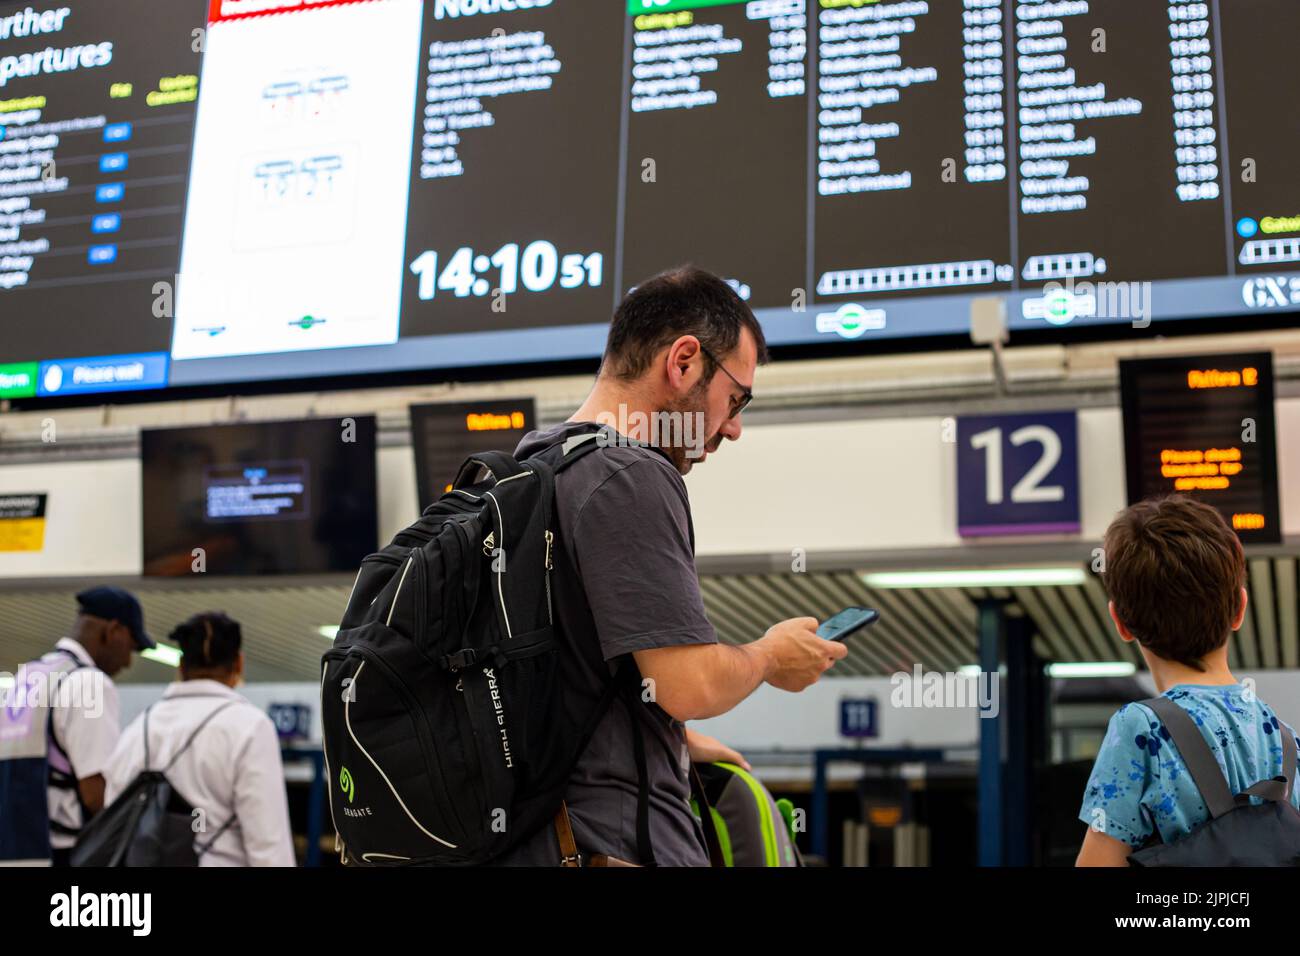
1018	474
858	717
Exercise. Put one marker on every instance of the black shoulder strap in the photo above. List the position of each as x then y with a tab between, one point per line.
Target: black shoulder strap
632	703
707	824
499	464
583	443
623	684
1196	754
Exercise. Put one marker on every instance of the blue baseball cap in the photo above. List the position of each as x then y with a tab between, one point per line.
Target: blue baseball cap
115	604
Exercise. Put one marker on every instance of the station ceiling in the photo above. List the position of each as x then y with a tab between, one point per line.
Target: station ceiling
935	627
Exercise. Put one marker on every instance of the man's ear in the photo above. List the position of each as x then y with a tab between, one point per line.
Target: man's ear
681	356
1124	633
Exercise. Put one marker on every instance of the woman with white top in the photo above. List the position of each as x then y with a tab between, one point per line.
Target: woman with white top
230	772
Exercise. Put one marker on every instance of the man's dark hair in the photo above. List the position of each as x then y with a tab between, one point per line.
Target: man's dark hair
1174	570
681	301
209	641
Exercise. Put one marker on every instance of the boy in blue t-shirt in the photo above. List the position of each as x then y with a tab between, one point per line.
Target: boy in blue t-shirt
1176	576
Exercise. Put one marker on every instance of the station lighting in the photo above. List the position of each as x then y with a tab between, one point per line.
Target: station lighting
977	578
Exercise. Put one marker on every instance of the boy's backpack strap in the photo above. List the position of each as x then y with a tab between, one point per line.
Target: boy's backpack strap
1278	789
1196	754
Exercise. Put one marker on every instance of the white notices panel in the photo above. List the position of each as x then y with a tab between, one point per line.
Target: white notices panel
295	223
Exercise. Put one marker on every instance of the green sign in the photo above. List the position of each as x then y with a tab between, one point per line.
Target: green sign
638	7
18	381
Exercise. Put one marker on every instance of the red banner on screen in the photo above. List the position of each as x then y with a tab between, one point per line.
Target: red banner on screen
240	9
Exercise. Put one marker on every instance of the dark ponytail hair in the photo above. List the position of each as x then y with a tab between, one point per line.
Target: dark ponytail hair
208	641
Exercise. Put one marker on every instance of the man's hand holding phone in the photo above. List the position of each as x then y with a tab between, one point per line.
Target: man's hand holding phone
796	656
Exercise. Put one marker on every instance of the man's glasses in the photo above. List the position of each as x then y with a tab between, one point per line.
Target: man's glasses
738	405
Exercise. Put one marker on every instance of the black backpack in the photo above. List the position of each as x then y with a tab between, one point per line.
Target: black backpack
149	824
449	729
1238	833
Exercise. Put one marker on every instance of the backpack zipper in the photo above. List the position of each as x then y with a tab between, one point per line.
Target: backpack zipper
398	593
501	596
550	540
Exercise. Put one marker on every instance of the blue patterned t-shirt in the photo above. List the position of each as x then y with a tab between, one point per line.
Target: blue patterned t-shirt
1140	783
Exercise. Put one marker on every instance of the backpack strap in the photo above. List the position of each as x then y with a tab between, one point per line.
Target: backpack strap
569	856
622	684
186	746
1196	754
200	848
57	779
644	848
577	446
1277	789
707	824
1205	770
498	464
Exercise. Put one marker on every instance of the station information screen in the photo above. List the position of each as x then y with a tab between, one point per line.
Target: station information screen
295	497
1204	426
196	192
445	434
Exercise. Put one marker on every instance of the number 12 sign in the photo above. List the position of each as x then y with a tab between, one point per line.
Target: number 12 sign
1018	474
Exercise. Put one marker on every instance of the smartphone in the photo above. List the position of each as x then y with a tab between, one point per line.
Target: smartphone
847	622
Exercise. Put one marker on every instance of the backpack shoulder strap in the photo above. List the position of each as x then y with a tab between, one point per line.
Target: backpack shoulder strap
1277	789
1196	754
197	730
202	848
707	824
498	464
576	447
144	729
57	779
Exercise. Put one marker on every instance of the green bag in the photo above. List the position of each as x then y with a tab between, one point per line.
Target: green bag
753	828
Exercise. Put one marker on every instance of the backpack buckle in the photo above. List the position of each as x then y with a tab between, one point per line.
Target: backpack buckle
460	660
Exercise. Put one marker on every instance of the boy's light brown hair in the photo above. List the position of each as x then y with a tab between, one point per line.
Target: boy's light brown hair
1174	570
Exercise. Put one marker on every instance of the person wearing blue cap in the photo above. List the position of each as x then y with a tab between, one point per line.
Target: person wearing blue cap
60	726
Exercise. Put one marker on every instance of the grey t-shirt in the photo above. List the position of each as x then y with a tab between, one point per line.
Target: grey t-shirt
625	521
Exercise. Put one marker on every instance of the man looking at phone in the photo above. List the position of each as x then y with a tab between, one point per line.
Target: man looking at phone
681	343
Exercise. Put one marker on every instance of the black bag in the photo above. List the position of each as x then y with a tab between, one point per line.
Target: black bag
149	824
1238	833
449	737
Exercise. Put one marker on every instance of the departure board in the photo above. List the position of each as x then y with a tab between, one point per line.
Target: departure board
445	434
1204	426
222	191
97	105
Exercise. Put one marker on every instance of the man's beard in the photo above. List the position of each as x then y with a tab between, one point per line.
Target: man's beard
682	455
